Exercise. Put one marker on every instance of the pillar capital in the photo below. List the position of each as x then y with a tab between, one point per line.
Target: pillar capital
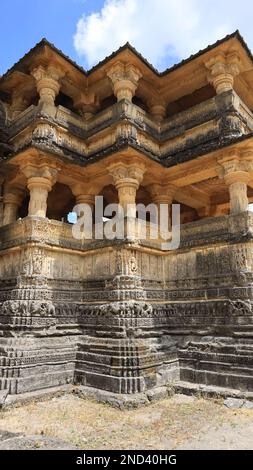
127	179
162	193
40	183
88	199
86	189
48	83
125	79
85	193
87	102
235	175
45	173
234	170
157	109
12	199
13	194
127	175
222	69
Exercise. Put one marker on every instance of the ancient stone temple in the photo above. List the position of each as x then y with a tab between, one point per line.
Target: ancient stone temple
125	315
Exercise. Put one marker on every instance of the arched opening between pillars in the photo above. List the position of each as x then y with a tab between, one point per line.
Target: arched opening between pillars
60	202
188	214
140	103
65	101
107	102
23	209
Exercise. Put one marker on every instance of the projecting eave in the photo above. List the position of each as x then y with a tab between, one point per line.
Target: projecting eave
177	81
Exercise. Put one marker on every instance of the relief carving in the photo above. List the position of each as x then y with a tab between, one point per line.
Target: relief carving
128	309
27	308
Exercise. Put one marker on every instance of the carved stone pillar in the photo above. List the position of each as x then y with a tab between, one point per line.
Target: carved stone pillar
238	192
39	189
236	177
84	193
83	197
124	80
163	194
157	109
88	199
39	182
222	70
12	200
127	179
19	103
87	103
48	85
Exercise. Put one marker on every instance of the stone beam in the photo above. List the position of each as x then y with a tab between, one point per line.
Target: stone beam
192	197
191	174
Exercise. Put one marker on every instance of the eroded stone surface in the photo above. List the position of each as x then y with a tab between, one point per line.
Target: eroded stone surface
9	441
127	315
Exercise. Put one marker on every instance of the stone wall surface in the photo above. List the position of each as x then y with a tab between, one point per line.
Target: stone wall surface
126	317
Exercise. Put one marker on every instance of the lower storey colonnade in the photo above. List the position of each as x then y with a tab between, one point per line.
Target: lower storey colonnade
47	190
125	315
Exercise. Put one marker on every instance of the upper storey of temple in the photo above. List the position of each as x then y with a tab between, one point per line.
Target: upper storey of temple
185	135
196	106
225	65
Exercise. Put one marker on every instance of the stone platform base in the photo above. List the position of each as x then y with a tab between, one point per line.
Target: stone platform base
210	391
125	401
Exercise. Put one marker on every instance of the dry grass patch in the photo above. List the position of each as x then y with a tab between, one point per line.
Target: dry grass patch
90	425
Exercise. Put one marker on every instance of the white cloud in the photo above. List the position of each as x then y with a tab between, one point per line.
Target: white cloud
162	30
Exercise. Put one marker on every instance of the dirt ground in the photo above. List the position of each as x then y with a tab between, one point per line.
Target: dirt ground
179	422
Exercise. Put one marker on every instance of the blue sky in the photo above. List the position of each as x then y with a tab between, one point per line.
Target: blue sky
26	22
164	31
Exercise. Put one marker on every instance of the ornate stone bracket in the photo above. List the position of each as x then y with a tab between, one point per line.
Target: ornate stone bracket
125	79
48	83
222	70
